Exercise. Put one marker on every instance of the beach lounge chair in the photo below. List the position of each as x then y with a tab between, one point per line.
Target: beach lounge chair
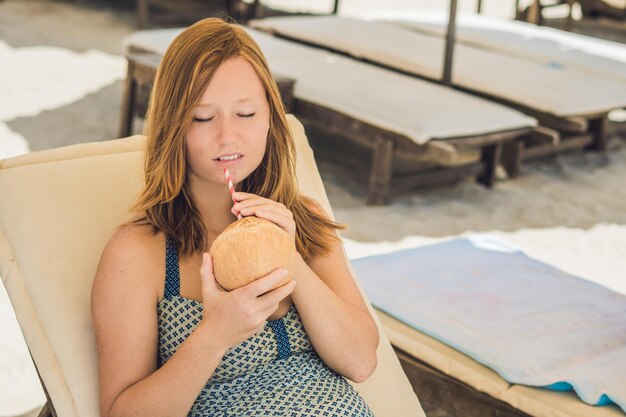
390	113
58	209
489	306
569	102
543	45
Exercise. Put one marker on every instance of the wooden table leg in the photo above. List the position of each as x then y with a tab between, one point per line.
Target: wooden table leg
143	13
534	12
598	127
128	102
570	19
490	156
511	158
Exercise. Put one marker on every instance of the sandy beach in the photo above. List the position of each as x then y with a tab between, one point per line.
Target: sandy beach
61	82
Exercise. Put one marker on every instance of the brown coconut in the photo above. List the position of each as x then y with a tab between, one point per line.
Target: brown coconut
249	249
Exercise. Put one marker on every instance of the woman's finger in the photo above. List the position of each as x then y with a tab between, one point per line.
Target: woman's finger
266	283
275	296
209	284
281	219
238	207
242	196
253	202
246	211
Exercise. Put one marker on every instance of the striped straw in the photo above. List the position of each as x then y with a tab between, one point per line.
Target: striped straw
231	188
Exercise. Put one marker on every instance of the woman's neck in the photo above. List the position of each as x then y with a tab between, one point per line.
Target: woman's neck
213	202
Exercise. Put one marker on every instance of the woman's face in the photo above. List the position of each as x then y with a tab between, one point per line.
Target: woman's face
230	124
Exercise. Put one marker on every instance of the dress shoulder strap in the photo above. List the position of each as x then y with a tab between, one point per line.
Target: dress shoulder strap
172	273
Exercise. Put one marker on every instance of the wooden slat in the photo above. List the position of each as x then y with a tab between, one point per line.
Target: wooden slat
567	144
438	390
487	139
432	177
542	135
576	124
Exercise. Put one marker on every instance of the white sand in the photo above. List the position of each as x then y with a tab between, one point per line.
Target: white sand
569	212
69	76
11	143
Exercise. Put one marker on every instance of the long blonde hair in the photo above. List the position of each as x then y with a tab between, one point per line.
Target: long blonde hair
166	202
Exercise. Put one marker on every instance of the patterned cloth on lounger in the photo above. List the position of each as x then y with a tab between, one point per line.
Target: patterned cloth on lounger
276	372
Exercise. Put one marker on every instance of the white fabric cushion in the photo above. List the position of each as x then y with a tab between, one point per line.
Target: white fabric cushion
541	44
57	211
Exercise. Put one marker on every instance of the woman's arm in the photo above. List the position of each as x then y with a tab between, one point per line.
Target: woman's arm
335	315
329	302
124	311
126	326
172	389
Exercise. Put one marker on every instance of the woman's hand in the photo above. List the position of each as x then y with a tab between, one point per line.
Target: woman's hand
234	316
253	205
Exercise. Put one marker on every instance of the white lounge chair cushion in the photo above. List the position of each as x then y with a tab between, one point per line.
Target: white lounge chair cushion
402	104
549	89
57	212
541	44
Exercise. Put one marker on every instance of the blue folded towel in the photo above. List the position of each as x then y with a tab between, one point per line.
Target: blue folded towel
531	323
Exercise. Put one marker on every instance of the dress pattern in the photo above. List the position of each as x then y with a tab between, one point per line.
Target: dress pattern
275	372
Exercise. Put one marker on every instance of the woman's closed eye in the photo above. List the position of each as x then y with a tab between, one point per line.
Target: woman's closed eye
208	119
201	120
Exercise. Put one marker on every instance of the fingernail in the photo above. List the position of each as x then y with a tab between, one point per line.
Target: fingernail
283	272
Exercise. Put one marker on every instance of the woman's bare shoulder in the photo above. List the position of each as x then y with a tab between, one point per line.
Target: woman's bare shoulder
123	300
133	257
134	238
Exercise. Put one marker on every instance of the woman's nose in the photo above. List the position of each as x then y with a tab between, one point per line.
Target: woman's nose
226	129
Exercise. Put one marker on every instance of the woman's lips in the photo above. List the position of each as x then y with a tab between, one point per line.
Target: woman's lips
227	163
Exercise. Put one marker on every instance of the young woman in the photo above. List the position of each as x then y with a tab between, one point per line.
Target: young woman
170	342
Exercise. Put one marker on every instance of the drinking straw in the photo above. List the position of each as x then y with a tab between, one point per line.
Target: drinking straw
231	188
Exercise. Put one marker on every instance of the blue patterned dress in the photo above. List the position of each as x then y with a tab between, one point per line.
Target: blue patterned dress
276	372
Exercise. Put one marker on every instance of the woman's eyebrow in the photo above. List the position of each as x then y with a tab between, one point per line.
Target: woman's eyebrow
241	100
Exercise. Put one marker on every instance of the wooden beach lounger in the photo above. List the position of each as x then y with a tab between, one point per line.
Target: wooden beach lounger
491	292
572	103
58	210
543	45
388	112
